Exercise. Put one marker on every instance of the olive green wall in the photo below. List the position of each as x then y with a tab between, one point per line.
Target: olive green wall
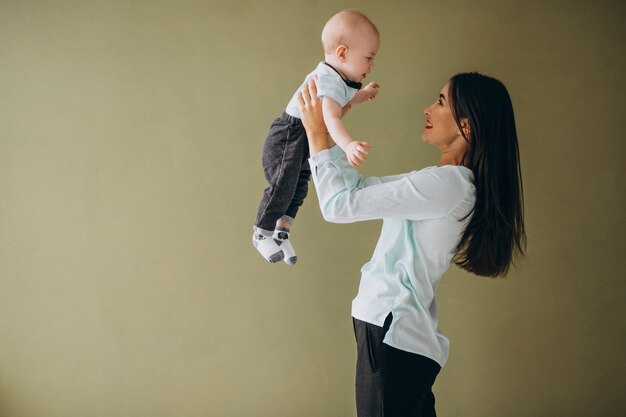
130	141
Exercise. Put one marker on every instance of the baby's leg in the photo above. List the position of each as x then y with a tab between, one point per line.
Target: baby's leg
302	187
283	225
282	160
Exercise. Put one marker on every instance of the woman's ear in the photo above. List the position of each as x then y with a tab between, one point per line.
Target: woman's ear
467	129
341	53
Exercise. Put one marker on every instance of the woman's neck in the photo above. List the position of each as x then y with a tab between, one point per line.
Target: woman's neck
450	158
453	154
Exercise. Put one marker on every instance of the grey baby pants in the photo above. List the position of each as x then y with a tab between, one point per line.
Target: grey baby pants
286	168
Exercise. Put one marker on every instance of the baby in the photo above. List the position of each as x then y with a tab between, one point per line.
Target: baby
350	42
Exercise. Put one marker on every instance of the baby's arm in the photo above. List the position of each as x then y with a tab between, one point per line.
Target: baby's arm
355	150
367	93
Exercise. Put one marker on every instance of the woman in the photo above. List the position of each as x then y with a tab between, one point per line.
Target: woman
468	210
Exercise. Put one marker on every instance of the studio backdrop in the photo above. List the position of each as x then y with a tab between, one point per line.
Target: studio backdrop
130	175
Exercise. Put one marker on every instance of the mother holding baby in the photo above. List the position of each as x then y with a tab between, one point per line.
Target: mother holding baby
466	209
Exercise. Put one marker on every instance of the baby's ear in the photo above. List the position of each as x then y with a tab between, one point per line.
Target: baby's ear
341	52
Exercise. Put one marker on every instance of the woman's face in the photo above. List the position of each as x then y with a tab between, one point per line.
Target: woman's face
441	130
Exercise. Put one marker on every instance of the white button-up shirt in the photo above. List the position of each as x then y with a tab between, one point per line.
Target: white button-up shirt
424	216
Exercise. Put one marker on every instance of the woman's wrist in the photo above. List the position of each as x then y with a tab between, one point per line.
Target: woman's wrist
324	155
316	131
318	140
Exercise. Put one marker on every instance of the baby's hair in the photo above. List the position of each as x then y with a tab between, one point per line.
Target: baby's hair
340	28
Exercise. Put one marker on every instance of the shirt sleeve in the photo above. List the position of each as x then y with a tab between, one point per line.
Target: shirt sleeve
351	175
330	86
345	197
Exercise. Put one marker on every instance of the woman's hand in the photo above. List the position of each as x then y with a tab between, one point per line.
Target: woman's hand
313	118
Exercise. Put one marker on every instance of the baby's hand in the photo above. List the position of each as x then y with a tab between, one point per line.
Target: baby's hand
356	151
367	93
370	91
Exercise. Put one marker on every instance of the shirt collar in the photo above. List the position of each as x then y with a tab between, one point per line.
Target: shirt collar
351	84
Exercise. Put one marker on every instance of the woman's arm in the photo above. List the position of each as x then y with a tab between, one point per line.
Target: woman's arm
426	194
313	120
418	195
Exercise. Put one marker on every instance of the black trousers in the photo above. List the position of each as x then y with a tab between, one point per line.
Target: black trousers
287	171
391	382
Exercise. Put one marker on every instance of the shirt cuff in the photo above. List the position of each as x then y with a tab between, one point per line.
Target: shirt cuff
325	156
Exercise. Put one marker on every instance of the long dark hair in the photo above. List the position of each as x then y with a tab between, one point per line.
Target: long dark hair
495	234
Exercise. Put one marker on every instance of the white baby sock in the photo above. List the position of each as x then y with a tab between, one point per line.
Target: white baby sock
267	247
281	235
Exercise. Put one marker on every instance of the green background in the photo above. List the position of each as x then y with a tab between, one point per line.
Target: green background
130	175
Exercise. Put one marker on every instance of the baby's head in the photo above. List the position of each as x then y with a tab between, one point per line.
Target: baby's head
350	42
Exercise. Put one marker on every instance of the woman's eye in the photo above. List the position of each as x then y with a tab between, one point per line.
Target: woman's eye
440	103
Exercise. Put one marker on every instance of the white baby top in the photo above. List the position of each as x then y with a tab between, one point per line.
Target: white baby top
329	84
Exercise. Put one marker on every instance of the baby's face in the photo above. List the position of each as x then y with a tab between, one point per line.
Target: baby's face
360	56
